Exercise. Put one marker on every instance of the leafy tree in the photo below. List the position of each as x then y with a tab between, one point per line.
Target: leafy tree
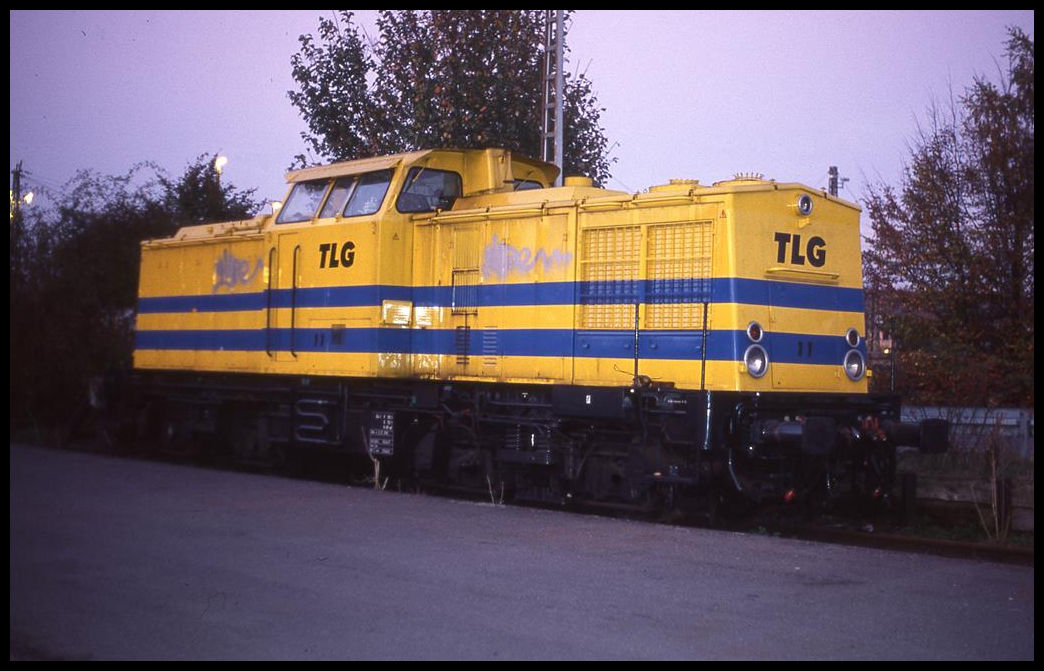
199	196
949	267
439	78
72	315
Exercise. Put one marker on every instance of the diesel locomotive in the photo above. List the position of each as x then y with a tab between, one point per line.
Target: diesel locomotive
455	319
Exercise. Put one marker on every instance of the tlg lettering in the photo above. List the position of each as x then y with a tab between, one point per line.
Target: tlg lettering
333	256
814	250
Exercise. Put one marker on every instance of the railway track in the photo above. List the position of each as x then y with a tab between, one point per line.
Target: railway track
894	536
911	542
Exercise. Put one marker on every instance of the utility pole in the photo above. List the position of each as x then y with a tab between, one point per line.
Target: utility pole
16	184
835	181
551	144
16	226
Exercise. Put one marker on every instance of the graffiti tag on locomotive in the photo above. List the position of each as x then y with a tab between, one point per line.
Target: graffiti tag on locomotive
452	316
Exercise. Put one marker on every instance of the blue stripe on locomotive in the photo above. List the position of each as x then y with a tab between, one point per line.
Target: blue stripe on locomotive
653	344
720	290
674	345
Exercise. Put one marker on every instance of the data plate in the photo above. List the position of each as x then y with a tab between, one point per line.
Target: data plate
382	434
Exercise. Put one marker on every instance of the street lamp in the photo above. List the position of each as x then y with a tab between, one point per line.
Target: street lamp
17	203
890	353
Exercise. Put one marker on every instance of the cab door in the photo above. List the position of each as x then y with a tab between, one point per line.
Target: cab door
283	328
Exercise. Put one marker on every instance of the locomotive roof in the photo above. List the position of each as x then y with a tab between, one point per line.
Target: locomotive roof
545	170
354	167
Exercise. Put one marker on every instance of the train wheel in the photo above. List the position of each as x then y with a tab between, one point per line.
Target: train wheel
176	439
246	437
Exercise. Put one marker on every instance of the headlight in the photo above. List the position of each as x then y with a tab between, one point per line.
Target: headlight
754	332
852	337
756	360
804	205
854	365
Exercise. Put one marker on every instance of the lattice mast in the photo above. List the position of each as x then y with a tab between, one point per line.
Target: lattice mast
554	34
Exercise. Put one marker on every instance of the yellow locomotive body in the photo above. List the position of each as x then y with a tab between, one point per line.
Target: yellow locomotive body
542	286
456	281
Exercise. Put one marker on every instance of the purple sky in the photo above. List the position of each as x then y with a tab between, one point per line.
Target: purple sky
688	94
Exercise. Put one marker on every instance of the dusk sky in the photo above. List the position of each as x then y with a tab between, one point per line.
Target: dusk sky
687	94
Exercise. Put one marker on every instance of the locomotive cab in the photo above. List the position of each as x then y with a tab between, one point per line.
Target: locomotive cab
425	181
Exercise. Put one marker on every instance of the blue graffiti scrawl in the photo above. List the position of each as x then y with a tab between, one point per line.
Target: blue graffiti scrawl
500	259
231	271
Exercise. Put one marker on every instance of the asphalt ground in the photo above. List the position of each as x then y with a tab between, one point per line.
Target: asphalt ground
116	559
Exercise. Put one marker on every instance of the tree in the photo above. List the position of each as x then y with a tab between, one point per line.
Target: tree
72	317
950	261
439	78
199	196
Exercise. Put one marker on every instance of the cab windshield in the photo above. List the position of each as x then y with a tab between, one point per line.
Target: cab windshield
349	196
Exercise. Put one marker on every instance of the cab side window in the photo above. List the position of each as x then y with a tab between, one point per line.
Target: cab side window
427	190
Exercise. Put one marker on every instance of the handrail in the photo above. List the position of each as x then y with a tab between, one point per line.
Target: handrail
293	301
268	303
